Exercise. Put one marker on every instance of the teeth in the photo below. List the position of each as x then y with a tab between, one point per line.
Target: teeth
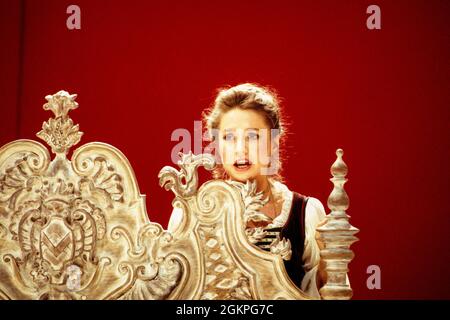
242	163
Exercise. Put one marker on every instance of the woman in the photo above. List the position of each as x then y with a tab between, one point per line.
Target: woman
247	125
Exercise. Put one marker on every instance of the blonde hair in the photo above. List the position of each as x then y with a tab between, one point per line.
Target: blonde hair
245	96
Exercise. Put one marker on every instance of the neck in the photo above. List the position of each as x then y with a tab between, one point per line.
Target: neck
262	184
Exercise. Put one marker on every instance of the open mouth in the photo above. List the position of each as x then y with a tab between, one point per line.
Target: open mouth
242	164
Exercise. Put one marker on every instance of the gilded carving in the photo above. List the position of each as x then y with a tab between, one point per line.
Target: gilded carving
78	228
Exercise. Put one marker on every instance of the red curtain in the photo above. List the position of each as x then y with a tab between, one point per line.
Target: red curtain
144	68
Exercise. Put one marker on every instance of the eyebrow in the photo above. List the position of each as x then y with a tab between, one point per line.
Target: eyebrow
248	129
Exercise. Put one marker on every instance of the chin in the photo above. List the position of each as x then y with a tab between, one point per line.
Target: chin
242	176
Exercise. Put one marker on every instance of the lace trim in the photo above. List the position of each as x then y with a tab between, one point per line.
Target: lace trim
287	195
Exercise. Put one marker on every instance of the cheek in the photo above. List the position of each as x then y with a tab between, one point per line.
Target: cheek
253	151
259	151
225	152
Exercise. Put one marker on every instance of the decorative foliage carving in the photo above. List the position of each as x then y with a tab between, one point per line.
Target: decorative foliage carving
282	247
253	201
60	133
184	183
255	235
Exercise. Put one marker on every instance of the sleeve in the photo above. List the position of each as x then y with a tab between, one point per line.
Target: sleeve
314	214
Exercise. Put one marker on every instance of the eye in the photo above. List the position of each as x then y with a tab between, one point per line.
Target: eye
252	135
228	136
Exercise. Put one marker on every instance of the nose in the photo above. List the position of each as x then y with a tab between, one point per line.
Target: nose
241	146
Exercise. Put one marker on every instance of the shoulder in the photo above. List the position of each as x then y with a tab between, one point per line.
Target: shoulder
314	213
314	205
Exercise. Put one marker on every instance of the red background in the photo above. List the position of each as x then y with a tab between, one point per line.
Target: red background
142	69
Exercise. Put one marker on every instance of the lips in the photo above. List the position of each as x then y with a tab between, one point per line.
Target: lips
242	164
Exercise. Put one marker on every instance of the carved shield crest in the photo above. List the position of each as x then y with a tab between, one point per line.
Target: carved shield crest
56	243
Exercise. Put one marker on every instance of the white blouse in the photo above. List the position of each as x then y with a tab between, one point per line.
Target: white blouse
314	214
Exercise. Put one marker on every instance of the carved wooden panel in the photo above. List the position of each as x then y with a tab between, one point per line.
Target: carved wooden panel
78	228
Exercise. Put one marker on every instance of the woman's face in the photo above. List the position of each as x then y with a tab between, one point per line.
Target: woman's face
244	144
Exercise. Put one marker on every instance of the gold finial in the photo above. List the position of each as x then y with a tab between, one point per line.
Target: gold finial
337	235
60	133
338	199
339	168
61	103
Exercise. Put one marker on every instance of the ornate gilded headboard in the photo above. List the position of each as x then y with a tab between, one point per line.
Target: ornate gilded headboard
78	228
